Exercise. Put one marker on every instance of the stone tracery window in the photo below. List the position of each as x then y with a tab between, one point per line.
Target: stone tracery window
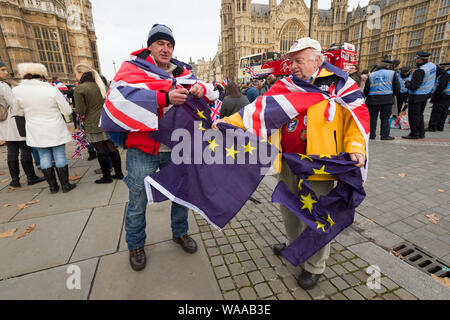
49	48
290	33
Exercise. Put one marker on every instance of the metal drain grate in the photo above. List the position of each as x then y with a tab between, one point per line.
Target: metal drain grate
422	260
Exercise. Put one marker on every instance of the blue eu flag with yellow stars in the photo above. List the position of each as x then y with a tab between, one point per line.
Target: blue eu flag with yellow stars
212	172
325	217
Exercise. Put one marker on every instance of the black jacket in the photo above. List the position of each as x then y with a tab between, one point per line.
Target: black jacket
382	99
439	96
414	84
232	105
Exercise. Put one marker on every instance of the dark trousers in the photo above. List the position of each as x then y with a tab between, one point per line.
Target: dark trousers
438	116
13	151
415	116
401	99
385	111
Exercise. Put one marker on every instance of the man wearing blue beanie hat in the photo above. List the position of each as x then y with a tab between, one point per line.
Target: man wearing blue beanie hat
158	32
154	68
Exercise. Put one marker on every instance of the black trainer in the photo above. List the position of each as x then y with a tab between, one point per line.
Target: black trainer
278	248
307	280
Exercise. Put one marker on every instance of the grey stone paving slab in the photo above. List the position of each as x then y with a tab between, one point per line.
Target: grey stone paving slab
414	281
120	194
14	198
85	196
158	225
25	186
382	237
437	248
49	245
102	233
50	284
170	274
349	237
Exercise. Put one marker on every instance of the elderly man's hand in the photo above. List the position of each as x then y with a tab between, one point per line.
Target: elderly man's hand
360	158
178	96
197	91
214	125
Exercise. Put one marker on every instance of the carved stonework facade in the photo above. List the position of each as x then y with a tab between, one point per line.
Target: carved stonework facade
248	28
56	33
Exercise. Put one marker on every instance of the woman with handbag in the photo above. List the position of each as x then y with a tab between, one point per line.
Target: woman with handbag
90	95
10	133
42	105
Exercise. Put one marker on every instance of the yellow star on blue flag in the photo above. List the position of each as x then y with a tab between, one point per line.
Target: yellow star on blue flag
201	114
330	221
321	226
300	183
249	148
200	127
231	152
321	171
308	202
303	157
213	145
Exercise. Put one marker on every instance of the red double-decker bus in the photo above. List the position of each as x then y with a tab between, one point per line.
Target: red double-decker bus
261	65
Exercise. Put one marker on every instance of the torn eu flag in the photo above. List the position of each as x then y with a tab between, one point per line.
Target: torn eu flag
325	217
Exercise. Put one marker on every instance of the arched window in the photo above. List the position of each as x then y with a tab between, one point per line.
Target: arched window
238	5
290	33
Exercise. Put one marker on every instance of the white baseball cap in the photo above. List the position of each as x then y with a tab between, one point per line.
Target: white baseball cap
302	44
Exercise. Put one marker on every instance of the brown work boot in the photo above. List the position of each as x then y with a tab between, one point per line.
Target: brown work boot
187	243
138	260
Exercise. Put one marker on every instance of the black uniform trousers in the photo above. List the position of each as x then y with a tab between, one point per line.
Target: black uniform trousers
415	116
385	111
401	99
438	116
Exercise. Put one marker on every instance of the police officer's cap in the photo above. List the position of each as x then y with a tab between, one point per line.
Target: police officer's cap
387	61
445	64
423	55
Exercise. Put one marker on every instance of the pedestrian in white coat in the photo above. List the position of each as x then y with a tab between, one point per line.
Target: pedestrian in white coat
10	134
43	107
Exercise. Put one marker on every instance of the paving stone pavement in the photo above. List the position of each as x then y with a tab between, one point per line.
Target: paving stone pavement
85	228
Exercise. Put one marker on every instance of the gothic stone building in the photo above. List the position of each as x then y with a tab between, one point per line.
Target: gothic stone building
403	28
56	33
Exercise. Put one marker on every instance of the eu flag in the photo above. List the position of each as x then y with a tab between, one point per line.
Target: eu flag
325	217
212	172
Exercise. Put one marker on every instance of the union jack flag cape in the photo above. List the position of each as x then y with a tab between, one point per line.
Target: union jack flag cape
131	104
291	96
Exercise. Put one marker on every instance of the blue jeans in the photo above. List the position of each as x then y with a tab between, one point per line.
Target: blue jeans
47	156
139	166
36	157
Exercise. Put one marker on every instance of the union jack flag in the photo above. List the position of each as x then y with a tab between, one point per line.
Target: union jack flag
250	71
80	138
215	110
224	82
61	86
131	104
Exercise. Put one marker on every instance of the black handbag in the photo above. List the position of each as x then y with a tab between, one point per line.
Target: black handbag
20	123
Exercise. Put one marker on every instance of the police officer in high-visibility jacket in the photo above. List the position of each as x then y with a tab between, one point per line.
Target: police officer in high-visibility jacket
380	89
420	88
440	99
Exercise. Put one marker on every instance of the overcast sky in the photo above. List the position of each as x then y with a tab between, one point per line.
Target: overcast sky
123	26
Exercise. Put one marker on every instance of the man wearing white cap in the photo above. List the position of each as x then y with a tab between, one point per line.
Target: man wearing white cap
310	133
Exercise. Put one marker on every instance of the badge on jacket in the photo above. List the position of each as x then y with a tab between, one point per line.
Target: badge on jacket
292	125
